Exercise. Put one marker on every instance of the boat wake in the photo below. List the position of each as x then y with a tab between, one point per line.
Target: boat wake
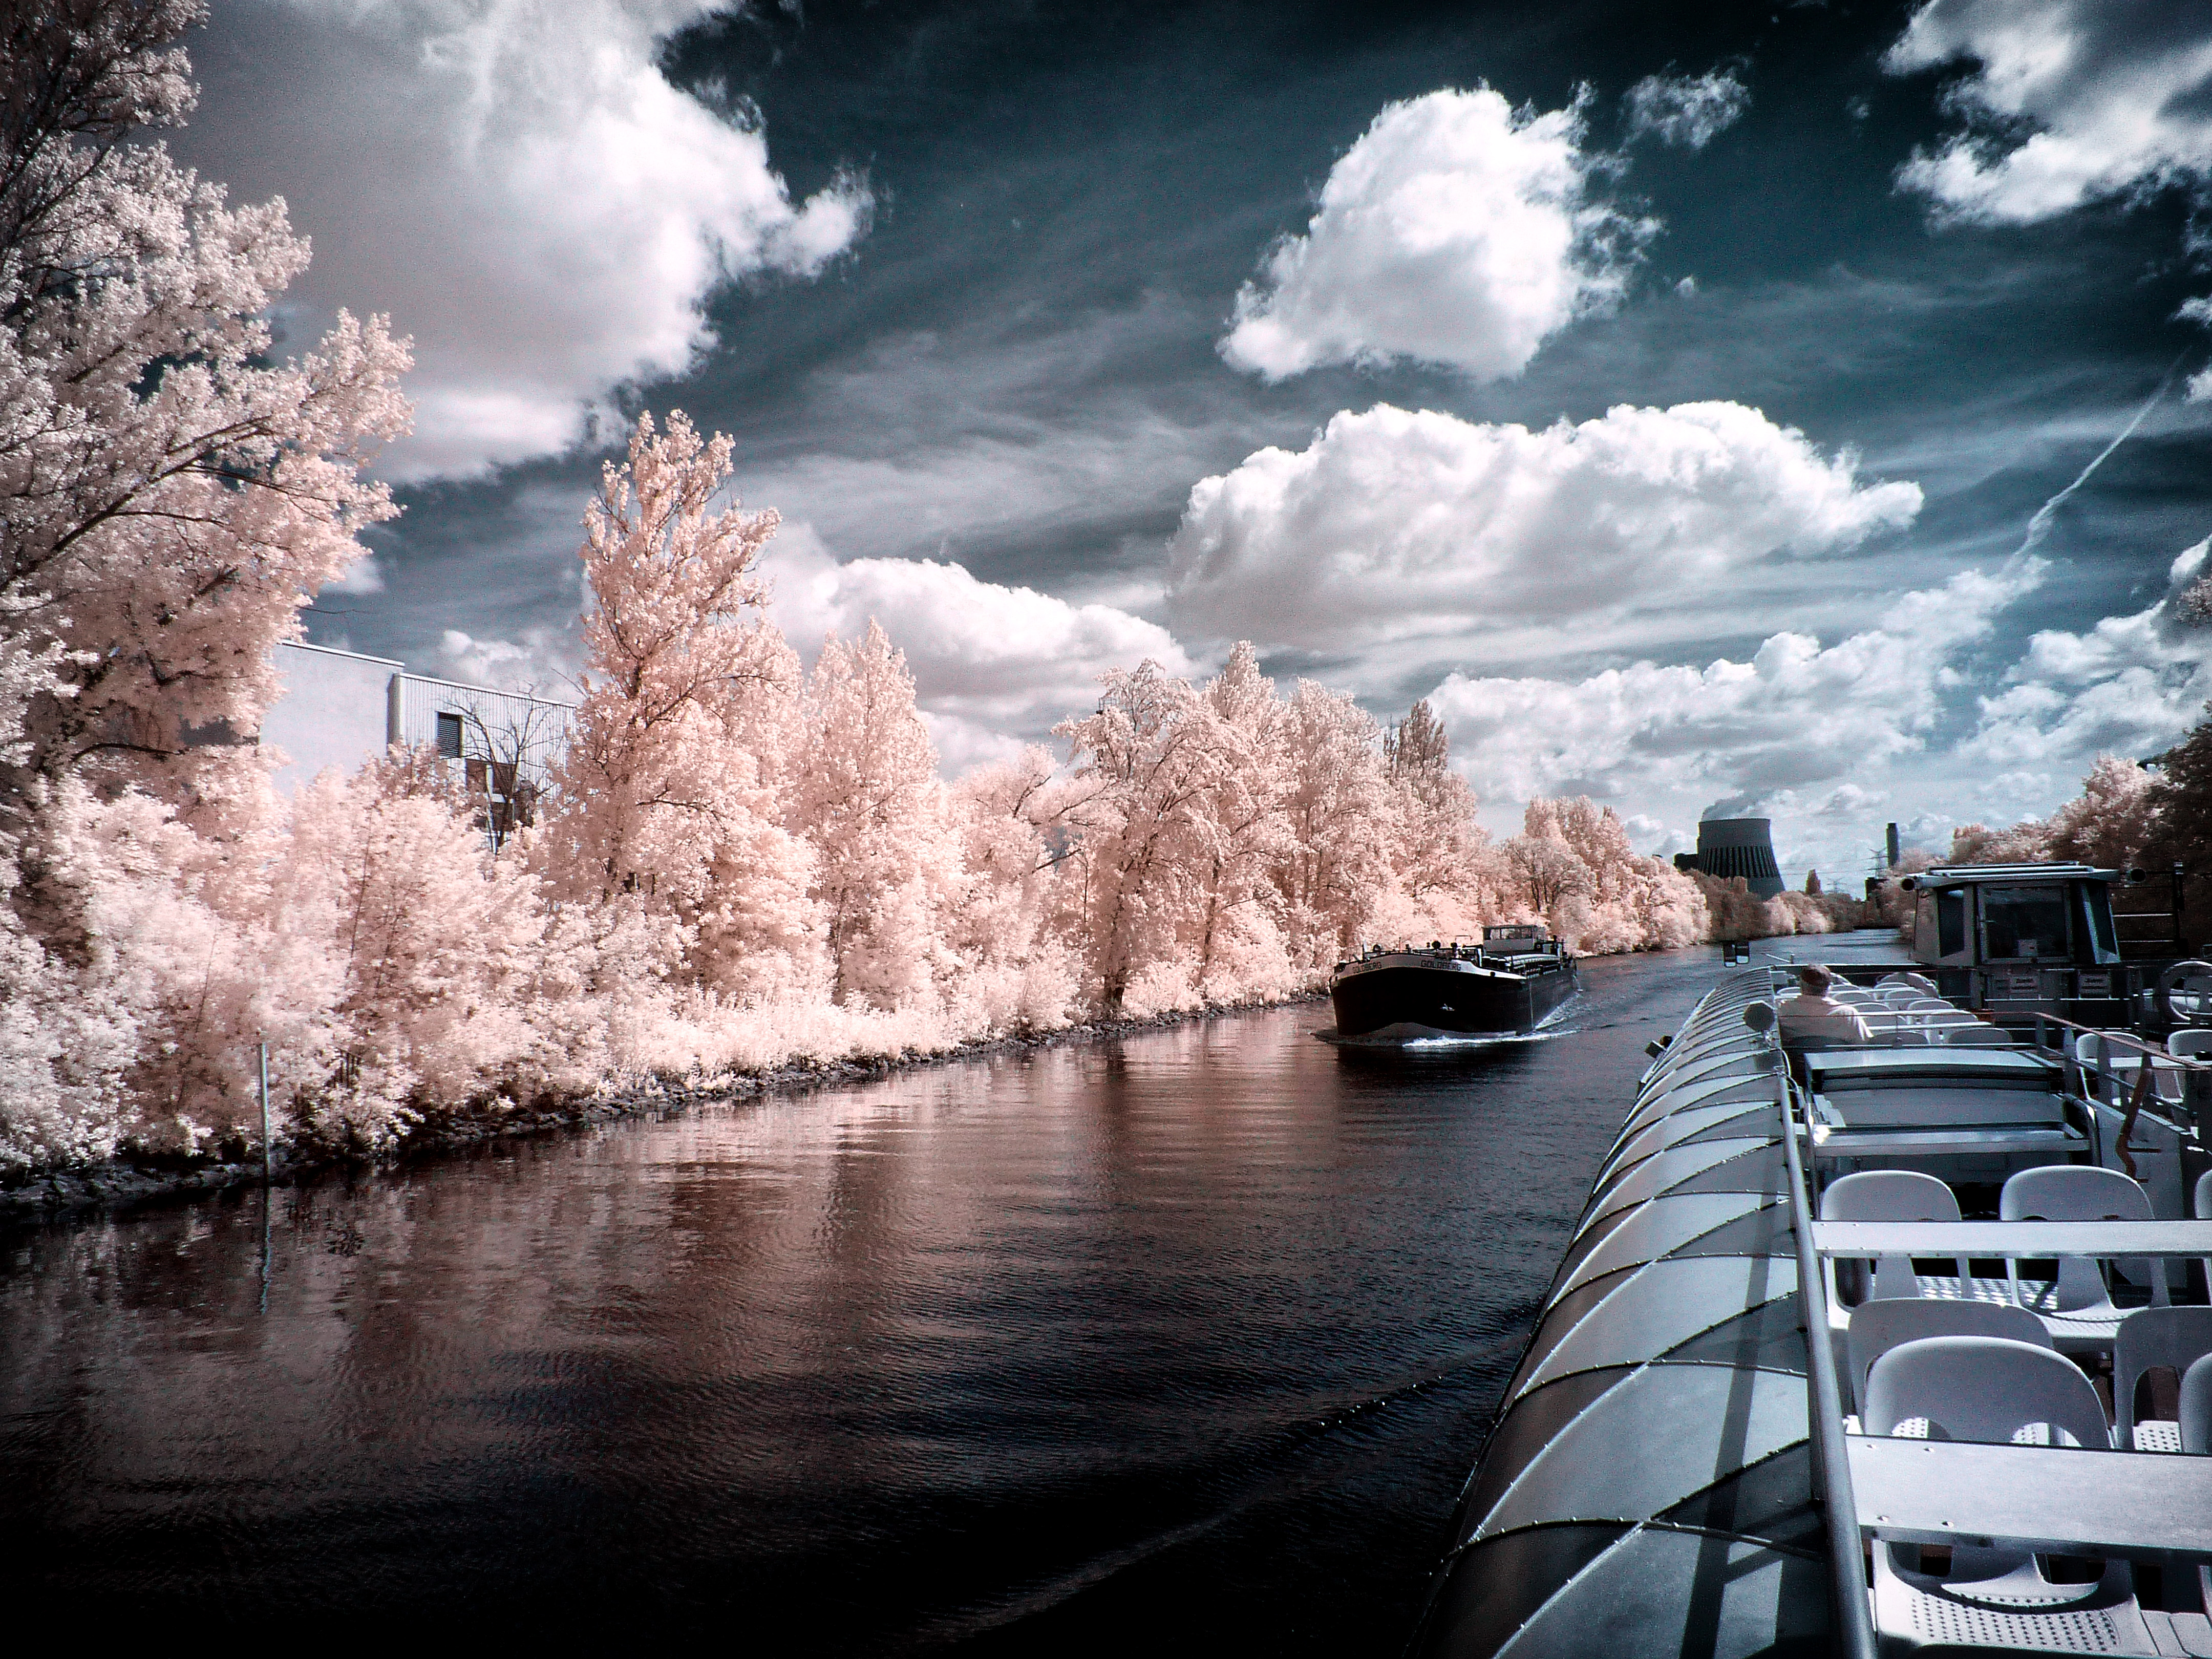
1406	1036
1429	1041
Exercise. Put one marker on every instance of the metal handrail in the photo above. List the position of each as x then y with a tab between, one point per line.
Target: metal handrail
2120	1092
1824	1404
2140	1045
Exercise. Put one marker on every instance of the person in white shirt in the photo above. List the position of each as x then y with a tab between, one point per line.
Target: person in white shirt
1810	1018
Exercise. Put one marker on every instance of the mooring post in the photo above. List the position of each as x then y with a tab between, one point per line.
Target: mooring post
264	1114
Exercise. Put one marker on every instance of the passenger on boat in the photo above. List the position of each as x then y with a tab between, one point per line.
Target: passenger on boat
1810	1019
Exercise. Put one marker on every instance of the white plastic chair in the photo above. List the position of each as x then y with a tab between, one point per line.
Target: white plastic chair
1938	1027
1888	1195
2195	1424
2189	1045
1985	1388
2150	1337
2200	1206
2087	1045
2078	1305
1919	982
1878	1326
1993	1390
2125	1062
1979	1035
2166	1077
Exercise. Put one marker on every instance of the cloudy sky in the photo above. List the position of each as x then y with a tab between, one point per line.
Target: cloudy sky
1795	409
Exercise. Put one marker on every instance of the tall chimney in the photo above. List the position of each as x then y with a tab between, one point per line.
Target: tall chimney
1894	852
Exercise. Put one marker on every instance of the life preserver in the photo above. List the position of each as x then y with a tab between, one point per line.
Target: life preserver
2194	975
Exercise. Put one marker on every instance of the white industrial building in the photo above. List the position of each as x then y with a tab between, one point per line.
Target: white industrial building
342	709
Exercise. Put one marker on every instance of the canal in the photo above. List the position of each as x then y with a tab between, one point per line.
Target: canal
1183	1342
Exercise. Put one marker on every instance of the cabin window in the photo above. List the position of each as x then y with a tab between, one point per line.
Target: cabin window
449	736
2024	924
1951	922
2096	913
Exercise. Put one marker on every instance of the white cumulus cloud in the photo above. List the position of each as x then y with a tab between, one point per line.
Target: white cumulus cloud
1656	839
517	184
544	662
2199	312
2132	685
1457	230
1392	523
1797	714
991	663
364	576
1687	111
2068	102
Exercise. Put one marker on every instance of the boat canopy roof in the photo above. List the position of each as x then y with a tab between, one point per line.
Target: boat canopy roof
1648	1487
1953	875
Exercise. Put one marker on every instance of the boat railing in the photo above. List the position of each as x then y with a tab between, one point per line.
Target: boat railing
1824	1409
1490	953
2125	1071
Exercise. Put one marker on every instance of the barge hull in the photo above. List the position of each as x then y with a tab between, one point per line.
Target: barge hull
1448	1001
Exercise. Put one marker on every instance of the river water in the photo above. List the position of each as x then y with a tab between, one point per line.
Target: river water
1182	1342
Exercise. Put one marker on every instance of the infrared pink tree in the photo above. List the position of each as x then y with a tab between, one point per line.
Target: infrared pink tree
868	801
670	800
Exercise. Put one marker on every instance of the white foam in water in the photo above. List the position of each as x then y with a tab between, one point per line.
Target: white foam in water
1442	1041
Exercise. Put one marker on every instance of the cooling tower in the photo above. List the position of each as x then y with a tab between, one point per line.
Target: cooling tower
1740	847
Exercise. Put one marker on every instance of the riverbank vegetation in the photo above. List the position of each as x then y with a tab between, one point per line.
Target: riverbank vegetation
734	863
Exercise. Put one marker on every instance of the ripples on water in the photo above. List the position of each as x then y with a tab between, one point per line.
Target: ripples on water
1178	1343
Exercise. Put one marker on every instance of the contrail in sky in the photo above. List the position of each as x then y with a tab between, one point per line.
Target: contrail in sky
2039	525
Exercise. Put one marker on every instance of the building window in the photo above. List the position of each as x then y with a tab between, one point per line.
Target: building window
449	736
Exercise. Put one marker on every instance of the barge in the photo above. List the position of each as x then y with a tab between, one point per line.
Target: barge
1516	981
1821	1364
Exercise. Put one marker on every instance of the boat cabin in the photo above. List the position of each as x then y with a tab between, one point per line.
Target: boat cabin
2021	939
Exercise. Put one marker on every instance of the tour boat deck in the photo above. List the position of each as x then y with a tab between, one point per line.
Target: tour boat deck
1685	1460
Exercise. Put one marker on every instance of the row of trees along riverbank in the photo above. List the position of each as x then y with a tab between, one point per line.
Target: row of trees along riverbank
2150	814
737	863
